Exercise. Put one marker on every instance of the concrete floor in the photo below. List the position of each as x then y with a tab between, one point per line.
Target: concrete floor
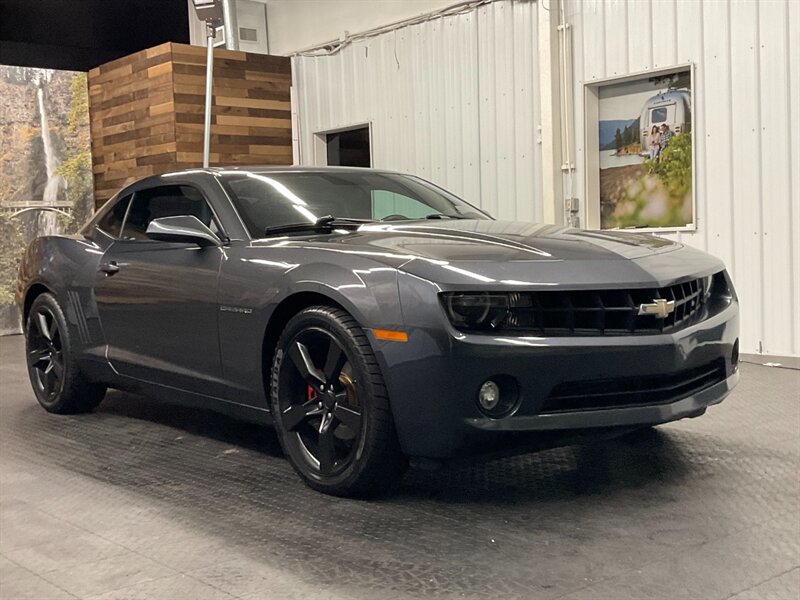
144	500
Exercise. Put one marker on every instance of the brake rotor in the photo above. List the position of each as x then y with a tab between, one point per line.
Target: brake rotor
349	386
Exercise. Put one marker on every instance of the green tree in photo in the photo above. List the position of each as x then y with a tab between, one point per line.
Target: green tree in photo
674	166
660	194
627	135
12	246
76	168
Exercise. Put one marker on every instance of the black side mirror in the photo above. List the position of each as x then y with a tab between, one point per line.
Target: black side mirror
186	228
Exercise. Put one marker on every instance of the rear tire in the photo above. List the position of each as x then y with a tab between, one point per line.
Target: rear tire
58	382
331	406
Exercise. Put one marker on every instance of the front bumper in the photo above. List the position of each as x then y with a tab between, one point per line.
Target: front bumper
615	417
434	378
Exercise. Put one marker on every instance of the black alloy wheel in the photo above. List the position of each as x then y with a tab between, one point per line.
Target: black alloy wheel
45	354
324	416
58	381
330	406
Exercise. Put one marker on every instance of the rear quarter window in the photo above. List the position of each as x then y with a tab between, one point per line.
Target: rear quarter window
166	201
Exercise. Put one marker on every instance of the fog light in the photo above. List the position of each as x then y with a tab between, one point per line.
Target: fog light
735	355
489	395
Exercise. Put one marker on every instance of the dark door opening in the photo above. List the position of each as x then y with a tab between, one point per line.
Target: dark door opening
348	148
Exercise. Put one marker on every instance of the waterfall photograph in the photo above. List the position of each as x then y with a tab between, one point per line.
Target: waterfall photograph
45	166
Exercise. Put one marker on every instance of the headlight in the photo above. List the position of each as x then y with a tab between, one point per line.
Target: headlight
475	310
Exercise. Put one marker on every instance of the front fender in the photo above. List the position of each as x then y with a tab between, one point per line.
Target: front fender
369	294
253	284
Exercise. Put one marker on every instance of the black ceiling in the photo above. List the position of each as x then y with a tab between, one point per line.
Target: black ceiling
81	34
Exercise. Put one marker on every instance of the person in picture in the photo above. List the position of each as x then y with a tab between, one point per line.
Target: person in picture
666	136
654	142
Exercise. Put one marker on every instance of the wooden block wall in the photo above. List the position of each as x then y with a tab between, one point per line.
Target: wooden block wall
146	113
251	115
133	130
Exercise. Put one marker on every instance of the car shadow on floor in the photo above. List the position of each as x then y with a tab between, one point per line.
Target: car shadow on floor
194	421
601	466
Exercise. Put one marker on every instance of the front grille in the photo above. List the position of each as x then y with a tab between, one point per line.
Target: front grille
633	391
603	312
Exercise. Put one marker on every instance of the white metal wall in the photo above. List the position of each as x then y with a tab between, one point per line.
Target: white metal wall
454	100
747	131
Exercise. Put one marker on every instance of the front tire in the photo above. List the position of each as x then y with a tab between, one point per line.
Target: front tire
331	406
58	382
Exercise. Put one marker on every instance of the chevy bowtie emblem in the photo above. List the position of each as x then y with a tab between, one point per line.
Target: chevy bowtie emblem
659	308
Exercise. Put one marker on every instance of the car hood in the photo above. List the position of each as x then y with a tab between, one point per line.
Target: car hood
466	253
497	254
504	241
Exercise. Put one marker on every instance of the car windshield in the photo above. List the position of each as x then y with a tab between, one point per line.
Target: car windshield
268	200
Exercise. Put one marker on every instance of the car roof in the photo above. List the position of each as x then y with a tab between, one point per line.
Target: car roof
297	168
165	178
272	169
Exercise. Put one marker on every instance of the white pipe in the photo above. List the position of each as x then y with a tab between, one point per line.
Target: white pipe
565	75
550	115
568	110
230	24
266	27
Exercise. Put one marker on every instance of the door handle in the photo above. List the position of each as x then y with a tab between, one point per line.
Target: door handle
110	267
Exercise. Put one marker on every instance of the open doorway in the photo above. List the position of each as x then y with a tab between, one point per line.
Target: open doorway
347	147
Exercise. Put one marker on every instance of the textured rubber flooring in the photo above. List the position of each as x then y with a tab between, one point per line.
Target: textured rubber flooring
146	500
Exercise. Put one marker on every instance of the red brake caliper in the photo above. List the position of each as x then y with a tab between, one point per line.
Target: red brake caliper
312	394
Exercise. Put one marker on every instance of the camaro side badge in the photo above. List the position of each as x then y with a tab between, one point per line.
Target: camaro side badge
236	309
659	308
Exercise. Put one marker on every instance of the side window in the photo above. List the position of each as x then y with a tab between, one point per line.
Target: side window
166	201
385	203
111	223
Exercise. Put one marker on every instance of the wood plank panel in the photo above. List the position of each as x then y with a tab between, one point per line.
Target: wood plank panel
146	113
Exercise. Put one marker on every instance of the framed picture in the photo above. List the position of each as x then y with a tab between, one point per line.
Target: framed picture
640	151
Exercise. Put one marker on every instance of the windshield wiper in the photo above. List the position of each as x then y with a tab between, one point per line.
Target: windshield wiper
444	216
322	223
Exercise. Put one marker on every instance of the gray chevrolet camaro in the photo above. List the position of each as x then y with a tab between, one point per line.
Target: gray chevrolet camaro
373	318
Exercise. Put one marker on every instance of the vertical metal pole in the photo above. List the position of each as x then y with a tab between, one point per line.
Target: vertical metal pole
230	24
550	114
211	34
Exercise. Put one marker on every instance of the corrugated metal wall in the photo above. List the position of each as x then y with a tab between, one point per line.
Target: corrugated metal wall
454	100
747	131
